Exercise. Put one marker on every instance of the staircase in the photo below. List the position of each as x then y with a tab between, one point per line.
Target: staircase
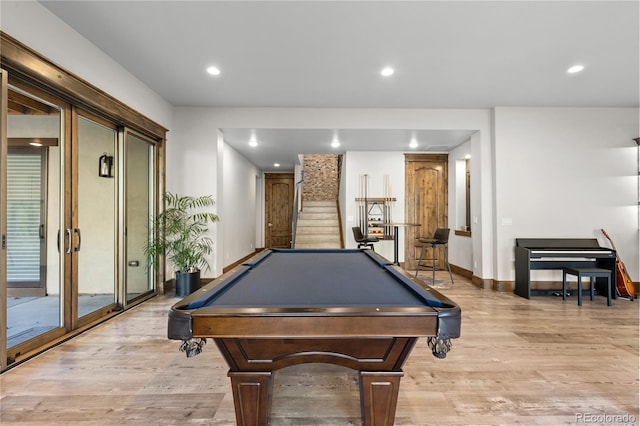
318	225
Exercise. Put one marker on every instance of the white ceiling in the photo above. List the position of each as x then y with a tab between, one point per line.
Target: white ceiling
446	54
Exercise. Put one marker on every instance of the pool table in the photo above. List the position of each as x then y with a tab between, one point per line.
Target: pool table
284	307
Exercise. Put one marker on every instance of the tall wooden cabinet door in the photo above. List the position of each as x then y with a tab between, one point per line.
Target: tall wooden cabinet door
426	202
279	191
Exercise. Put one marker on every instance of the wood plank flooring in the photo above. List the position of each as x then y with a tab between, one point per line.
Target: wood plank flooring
518	361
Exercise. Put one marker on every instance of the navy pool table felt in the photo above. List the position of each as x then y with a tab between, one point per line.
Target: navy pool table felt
290	279
320	283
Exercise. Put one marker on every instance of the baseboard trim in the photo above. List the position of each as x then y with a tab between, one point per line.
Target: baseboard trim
461	271
491	284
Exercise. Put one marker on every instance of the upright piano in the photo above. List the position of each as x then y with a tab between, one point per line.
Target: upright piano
558	253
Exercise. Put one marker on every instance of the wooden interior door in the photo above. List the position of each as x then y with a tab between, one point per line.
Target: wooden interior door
279	192
426	202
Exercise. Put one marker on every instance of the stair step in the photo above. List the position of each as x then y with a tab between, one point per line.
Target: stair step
319	209
317	216
307	203
315	230
318	226
316	237
329	245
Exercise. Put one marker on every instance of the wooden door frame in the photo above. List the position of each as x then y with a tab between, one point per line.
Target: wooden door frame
267	177
3	217
443	219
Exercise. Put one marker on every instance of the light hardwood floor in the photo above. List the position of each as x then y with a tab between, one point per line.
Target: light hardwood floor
518	361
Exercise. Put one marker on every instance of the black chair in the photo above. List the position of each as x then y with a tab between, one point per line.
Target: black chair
440	239
362	240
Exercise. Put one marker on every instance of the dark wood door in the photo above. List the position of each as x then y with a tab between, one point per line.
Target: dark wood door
426	198
279	190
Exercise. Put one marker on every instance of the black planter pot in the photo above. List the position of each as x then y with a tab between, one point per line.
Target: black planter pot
187	283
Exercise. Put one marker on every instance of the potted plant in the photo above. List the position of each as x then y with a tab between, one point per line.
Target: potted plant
179	234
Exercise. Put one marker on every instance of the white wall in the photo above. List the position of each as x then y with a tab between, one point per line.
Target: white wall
34	25
566	172
460	247
194	167
239	207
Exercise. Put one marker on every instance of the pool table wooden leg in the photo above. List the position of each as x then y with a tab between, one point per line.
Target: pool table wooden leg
251	397
379	396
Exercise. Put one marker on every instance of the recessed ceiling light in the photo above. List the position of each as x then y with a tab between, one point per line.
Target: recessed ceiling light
253	142
276	164
213	70
335	142
35	144
387	71
413	143
576	68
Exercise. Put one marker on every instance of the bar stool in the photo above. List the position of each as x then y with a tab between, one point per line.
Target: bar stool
592	273
440	239
362	240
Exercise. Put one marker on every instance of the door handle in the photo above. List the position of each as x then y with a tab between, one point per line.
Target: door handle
77	231
69	242
269	224
41	231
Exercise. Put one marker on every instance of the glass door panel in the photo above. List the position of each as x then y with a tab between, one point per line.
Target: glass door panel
96	207
139	155
35	238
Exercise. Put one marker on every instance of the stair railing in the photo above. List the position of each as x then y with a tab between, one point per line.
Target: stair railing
297	207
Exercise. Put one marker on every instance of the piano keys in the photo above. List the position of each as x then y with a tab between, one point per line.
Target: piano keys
558	253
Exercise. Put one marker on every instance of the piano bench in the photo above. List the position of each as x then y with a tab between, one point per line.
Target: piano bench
592	273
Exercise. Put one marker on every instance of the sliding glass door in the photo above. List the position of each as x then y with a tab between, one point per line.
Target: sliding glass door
80	174
80	194
95	200
139	200
35	238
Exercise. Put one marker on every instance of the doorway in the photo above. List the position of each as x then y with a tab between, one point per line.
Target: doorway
426	202
69	258
80	193
279	197
35	240
139	208
94	197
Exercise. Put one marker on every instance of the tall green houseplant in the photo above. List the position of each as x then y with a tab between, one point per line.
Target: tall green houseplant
179	234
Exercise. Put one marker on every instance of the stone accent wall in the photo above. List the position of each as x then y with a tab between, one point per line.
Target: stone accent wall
321	175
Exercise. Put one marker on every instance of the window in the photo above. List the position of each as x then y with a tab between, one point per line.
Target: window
25	227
